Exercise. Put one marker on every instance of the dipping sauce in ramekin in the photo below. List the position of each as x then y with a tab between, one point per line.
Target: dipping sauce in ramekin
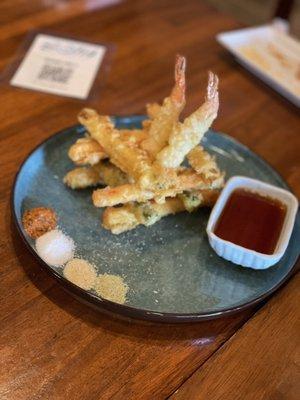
252	222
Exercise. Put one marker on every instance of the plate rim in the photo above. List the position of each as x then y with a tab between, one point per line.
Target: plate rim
100	303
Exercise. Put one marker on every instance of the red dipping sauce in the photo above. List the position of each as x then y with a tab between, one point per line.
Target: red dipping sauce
252	221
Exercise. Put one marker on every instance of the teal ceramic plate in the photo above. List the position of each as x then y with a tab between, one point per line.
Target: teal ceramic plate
172	272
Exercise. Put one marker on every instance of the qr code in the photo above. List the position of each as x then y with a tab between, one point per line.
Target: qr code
52	73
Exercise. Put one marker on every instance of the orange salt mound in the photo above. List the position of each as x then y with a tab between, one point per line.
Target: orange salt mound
39	221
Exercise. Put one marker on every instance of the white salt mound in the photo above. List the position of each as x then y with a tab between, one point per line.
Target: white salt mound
55	248
81	273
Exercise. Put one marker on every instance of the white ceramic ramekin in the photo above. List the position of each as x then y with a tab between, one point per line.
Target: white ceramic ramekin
238	254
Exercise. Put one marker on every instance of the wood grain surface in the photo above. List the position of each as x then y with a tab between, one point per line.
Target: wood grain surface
51	346
261	361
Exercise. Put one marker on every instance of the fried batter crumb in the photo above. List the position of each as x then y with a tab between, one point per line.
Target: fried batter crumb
39	221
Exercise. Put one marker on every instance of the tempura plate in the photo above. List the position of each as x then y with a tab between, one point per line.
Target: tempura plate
172	273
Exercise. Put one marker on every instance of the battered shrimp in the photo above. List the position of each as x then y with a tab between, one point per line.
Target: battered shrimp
152	110
188	180
129	216
110	174
132	137
203	163
86	151
82	178
164	117
131	160
185	136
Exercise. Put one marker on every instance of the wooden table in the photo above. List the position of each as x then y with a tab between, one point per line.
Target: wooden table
52	346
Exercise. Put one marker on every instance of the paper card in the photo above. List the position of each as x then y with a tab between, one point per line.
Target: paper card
60	66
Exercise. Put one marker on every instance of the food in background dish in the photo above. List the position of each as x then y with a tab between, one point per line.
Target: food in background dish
55	248
81	273
38	221
142	168
277	59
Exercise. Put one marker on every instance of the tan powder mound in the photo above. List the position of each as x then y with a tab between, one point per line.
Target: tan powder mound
81	273
111	287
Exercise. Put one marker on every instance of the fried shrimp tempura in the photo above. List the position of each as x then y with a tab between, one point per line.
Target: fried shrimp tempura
103	173
187	180
165	116
110	174
86	151
82	177
203	163
141	168
129	216
152	110
133	137
185	136
131	160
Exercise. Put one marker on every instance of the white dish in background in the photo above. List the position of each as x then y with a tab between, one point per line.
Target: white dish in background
270	54
241	255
